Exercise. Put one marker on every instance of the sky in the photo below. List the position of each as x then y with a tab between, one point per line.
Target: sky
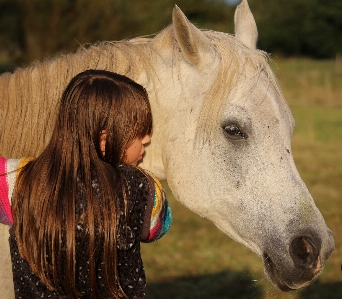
233	2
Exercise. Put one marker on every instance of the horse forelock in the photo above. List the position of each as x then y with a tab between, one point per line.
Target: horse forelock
234	58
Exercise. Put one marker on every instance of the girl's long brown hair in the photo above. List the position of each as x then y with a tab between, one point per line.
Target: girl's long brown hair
47	190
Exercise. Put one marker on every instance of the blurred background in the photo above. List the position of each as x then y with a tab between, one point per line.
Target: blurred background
195	260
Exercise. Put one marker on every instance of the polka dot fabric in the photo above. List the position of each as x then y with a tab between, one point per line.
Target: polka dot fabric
130	266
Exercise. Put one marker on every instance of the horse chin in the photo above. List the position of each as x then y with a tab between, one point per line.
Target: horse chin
275	277
272	273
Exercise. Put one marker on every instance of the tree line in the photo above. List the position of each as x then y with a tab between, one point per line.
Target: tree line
37	29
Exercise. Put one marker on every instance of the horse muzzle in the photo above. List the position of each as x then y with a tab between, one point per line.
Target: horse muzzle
306	262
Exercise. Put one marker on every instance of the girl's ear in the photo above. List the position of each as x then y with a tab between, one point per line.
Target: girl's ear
103	137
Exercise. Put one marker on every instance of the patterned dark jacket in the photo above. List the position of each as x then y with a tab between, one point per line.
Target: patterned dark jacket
149	218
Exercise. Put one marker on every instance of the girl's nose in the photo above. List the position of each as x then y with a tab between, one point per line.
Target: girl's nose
146	139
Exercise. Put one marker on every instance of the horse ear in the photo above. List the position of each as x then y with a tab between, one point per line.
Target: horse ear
245	27
195	46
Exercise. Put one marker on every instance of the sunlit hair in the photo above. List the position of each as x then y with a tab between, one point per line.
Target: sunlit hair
49	188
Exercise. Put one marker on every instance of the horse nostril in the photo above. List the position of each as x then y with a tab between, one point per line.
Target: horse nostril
304	253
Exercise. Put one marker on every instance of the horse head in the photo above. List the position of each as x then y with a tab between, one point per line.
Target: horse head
222	139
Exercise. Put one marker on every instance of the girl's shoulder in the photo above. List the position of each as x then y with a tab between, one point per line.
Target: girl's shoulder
149	192
135	175
138	184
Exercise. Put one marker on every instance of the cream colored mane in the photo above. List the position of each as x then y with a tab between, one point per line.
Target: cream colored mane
29	96
33	92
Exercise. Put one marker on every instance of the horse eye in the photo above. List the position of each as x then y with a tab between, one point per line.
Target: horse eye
234	132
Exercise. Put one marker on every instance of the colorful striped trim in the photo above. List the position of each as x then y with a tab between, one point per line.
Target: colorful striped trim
5	205
161	217
9	170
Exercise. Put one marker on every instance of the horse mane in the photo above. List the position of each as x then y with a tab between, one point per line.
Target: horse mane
29	96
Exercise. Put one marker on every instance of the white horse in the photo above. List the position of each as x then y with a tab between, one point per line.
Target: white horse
222	137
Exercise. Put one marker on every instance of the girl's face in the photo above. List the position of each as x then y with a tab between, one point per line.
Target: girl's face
133	153
135	150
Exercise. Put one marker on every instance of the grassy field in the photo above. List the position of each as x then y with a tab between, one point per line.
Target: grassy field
195	260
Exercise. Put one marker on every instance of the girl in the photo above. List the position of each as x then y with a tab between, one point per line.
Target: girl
79	209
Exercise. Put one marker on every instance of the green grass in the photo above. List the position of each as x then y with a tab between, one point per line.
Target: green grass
195	260
310	83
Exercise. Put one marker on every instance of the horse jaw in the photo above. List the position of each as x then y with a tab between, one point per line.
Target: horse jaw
245	27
